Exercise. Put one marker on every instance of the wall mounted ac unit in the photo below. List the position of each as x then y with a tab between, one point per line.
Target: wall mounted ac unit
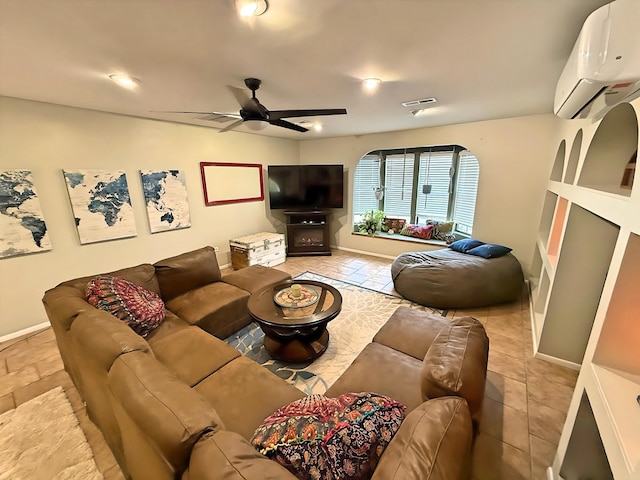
604	67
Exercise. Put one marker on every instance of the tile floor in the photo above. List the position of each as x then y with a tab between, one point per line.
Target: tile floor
526	399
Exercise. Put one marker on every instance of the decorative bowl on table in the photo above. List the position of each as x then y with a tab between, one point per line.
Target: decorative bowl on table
287	297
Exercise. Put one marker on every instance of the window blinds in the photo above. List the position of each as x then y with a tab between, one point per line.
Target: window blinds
435	170
398	180
366	178
466	188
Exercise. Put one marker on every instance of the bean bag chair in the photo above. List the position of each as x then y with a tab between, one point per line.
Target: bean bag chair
450	279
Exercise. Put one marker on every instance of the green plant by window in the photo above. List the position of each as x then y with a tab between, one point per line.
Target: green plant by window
371	222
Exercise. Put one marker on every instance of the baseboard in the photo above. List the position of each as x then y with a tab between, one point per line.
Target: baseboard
558	361
26	331
362	252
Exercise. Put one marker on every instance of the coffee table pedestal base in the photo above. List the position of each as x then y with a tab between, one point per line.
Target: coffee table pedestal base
294	350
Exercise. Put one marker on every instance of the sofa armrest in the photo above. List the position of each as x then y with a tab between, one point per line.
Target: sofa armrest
227	455
433	443
456	364
159	416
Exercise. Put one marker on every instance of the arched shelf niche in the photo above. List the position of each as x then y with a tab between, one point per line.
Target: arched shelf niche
574	156
614	144
558	165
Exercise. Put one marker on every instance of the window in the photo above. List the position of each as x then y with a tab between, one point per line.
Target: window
420	184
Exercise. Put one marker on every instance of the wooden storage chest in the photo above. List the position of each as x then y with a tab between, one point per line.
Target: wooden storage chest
267	249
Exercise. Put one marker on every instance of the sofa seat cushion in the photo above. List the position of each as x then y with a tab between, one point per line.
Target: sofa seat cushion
190	270
226	455
433	443
383	370
171	324
330	438
193	354
244	393
212	306
142	309
411	331
255	278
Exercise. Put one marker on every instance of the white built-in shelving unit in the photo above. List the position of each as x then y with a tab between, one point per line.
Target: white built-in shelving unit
585	298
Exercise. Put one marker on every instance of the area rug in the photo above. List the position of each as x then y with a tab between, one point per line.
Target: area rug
41	440
363	313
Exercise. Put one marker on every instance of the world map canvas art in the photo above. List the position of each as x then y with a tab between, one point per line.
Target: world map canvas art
101	204
165	193
22	226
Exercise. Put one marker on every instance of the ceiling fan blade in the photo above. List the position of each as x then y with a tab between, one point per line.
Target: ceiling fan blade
208	115
197	113
241	96
233	125
276	114
291	126
220	117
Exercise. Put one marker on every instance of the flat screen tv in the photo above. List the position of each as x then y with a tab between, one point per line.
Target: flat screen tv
306	187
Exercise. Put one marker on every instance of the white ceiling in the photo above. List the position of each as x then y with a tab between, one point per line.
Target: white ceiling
482	59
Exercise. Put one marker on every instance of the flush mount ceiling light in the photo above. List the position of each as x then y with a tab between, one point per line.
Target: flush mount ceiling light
125	81
251	8
255	125
371	84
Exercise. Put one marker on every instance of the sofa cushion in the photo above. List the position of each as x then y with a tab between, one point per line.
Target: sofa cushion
142	309
330	438
433	443
255	278
218	308
143	275
193	354
411	331
160	417
396	375
456	364
170	325
244	393
226	455
179	274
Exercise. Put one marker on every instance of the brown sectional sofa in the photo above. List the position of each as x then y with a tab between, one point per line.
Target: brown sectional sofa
184	404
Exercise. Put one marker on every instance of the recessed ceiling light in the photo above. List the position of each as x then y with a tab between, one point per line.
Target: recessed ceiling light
125	81
317	127
371	84
251	8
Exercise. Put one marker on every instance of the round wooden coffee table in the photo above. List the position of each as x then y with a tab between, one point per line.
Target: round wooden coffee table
295	333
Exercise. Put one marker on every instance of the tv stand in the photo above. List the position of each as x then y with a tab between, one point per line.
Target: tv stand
308	233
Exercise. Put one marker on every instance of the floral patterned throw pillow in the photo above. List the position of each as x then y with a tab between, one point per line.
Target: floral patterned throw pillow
318	437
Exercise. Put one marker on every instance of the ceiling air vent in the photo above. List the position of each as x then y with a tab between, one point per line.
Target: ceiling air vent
417	103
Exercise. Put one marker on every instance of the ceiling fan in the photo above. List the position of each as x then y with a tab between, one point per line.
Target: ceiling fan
253	112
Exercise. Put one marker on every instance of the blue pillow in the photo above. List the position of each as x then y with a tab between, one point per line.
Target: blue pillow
489	250
466	244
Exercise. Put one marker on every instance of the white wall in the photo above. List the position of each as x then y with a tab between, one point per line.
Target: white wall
515	157
46	138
